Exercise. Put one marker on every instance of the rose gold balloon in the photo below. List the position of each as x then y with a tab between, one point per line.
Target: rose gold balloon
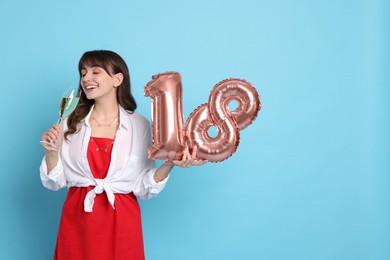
229	123
167	117
217	148
235	89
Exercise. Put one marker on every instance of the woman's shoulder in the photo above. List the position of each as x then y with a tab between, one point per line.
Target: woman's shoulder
136	118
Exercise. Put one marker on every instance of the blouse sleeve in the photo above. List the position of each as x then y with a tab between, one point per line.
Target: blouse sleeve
55	179
146	187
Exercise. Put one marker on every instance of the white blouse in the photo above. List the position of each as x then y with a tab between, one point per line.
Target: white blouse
130	169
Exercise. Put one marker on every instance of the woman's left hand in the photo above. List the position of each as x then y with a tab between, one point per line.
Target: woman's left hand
189	159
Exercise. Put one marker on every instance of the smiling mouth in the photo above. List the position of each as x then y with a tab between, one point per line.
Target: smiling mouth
90	87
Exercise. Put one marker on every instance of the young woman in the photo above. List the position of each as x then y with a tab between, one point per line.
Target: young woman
103	161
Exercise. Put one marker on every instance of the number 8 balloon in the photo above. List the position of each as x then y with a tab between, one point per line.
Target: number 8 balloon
168	130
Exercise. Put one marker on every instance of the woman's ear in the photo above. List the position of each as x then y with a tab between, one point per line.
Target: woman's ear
118	79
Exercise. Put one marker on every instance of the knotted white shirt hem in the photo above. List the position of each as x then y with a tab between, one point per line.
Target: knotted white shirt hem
100	186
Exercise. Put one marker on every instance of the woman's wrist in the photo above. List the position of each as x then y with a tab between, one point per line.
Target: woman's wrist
51	154
163	172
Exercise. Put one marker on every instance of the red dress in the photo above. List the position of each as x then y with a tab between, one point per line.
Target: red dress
104	233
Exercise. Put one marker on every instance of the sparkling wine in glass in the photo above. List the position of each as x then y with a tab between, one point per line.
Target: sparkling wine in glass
68	103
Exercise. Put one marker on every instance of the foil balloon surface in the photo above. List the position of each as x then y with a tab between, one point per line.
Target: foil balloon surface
169	134
165	89
216	113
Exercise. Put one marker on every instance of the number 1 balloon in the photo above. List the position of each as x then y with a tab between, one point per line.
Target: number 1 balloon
167	117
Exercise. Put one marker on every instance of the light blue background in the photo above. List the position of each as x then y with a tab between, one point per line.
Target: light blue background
310	179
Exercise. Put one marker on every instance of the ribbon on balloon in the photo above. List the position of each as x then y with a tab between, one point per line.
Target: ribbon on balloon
169	134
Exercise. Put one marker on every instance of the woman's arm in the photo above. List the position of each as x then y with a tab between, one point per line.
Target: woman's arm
51	161
51	171
54	135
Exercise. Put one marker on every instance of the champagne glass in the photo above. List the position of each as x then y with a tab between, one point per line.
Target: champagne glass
68	103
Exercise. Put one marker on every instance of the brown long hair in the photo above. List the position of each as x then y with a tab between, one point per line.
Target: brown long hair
112	63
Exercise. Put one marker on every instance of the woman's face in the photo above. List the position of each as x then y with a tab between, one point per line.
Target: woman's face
97	83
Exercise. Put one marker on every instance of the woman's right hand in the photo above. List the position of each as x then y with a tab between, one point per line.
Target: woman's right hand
54	135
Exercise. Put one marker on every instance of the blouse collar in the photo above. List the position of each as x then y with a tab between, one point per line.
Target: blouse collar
123	118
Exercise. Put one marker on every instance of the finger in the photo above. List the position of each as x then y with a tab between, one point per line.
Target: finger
46	137
199	162
194	152
57	128
186	164
53	135
181	163
54	132
186	155
177	163
50	136
189	162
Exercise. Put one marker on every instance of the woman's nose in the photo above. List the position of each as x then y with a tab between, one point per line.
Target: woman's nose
86	76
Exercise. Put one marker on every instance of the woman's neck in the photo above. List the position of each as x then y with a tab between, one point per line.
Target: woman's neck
105	111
